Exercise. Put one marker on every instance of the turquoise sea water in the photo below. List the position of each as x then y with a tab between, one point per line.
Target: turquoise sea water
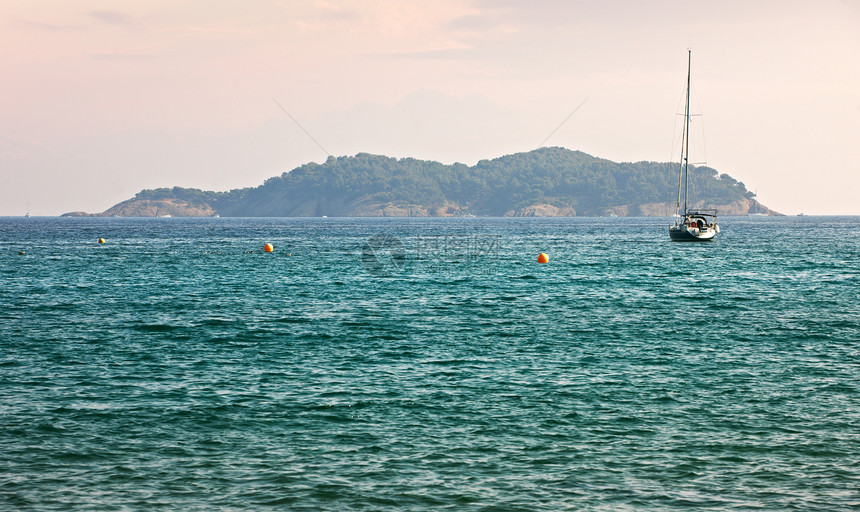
428	364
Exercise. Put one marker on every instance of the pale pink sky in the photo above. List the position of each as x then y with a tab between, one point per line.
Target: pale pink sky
100	99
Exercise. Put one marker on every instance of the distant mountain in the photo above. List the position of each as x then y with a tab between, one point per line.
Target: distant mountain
543	182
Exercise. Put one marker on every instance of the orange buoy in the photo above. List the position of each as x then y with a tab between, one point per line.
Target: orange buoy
268	248
543	258
101	240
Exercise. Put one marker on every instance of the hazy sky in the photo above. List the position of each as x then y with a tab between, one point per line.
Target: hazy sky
100	99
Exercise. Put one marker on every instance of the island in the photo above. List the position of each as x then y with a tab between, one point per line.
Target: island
546	182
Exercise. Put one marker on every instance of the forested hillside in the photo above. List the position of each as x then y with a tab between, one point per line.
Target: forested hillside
547	181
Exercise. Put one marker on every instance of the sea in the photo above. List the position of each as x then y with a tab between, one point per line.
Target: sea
406	364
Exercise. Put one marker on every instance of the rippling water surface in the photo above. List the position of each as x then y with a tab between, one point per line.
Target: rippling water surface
427	364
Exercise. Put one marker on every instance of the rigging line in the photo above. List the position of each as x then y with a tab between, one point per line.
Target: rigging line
702	137
562	123
300	126
675	143
702	131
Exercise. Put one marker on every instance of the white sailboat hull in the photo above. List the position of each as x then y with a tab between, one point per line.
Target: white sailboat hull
684	234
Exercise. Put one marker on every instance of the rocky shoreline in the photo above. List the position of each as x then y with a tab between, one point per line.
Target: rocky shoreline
178	208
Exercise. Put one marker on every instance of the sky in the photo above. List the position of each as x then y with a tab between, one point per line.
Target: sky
101	99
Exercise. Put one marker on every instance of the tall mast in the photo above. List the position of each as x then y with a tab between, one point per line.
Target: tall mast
687	130
680	174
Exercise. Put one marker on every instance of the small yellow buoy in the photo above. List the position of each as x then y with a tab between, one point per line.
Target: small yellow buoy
543	258
101	240
268	248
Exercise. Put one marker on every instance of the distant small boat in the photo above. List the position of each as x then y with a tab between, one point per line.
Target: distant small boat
694	225
801	214
27	215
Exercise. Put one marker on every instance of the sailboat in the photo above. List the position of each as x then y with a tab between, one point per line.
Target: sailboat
756	212
694	225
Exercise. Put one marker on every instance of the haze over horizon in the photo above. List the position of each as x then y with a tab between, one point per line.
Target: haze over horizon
103	99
